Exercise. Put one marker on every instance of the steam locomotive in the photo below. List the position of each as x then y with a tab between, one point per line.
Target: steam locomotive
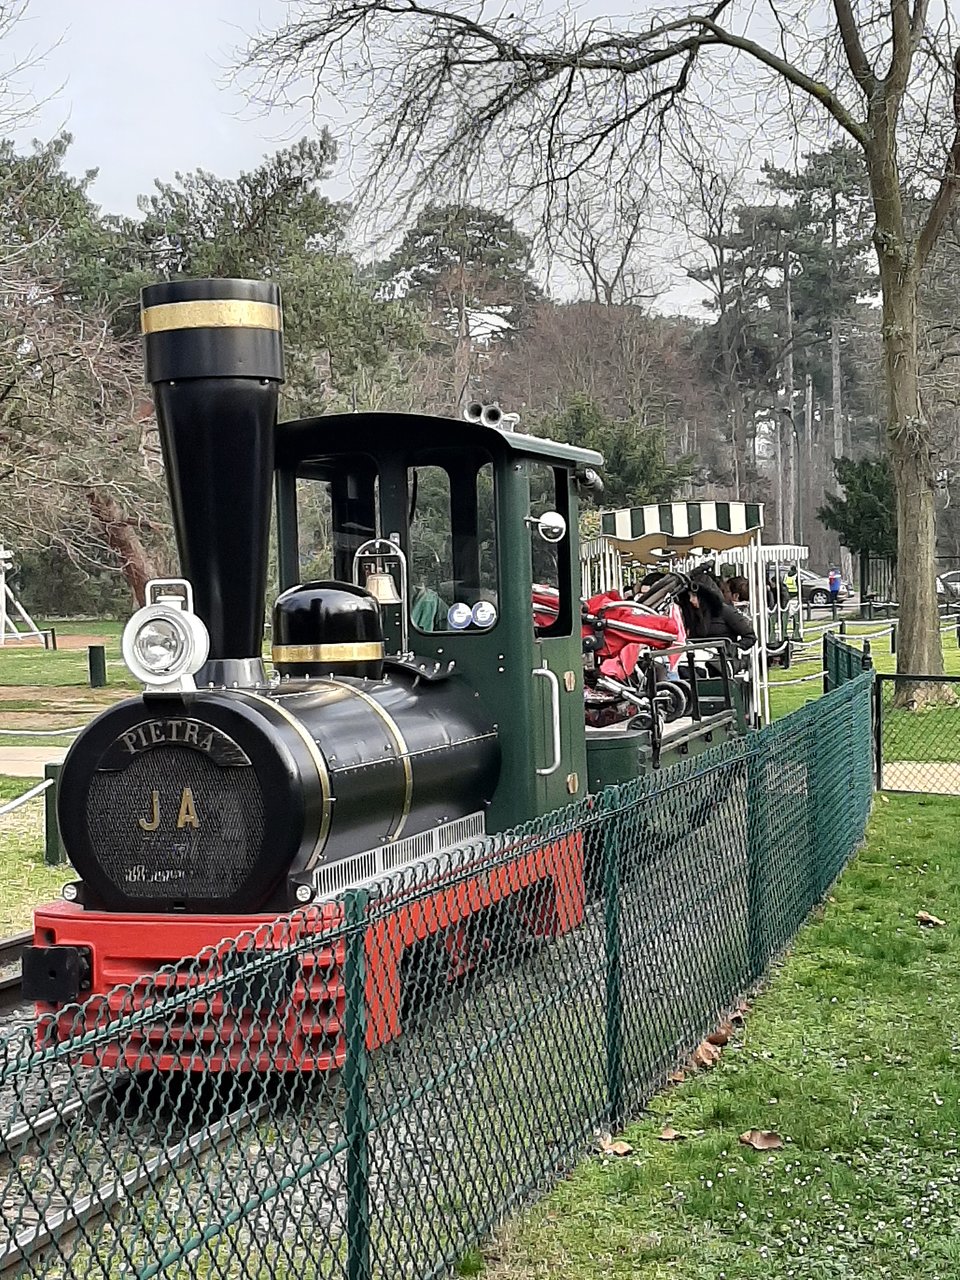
417	700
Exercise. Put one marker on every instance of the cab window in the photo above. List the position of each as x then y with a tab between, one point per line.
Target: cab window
336	514
553	610
452	548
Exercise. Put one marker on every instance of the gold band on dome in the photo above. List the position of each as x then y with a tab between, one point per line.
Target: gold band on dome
210	313
370	651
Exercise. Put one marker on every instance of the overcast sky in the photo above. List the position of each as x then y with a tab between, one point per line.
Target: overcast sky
145	90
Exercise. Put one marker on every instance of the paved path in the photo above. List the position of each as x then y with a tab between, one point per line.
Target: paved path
940	778
28	762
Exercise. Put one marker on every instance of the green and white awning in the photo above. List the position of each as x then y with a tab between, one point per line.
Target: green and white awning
682	528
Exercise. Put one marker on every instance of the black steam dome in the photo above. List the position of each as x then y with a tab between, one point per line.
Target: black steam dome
214	354
321	628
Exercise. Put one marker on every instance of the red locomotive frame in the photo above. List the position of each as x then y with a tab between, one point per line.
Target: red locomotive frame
304	1031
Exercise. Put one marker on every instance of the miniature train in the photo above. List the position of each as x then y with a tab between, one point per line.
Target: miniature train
427	689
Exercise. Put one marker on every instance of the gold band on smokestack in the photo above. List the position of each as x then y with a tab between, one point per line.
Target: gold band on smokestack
214	355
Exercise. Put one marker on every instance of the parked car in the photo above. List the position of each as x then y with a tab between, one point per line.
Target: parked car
815	589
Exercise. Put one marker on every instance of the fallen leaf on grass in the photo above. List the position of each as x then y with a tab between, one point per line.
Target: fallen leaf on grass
739	1014
721	1036
762	1139
669	1134
925	918
614	1147
676	1077
705	1055
885	799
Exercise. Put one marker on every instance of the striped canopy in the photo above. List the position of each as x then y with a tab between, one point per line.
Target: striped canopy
681	528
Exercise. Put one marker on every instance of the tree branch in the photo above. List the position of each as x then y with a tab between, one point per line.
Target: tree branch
949	184
793	75
857	59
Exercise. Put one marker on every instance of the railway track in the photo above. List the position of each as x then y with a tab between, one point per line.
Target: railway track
11	949
58	1226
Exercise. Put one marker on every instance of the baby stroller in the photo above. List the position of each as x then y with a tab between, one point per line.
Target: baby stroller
622	678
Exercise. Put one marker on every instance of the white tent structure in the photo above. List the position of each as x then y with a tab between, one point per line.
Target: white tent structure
11	610
682	535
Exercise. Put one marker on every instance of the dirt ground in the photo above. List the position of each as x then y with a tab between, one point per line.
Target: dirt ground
63	642
28	762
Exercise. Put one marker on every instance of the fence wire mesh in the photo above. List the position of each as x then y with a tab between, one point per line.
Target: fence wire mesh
364	1089
918	733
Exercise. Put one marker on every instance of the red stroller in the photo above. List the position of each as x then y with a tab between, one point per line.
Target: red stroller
615	633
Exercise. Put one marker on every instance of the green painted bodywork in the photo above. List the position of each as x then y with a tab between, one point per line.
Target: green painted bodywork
497	664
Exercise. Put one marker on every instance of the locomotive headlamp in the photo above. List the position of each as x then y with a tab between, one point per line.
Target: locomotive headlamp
165	642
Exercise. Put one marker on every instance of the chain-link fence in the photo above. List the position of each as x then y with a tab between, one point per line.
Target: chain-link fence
918	733
364	1089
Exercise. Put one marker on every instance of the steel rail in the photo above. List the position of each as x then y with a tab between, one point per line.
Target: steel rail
47	1119
11	949
57	1227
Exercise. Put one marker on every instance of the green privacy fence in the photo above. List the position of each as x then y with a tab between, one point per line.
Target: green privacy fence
472	1022
843	660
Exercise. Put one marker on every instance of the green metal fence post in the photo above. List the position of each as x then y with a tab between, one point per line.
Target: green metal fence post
612	948
53	854
97	662
758	951
355	1070
818	817
893	638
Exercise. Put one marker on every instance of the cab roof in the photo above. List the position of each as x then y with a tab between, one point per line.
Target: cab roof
305	438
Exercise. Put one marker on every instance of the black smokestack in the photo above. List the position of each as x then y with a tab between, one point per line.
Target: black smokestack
214	356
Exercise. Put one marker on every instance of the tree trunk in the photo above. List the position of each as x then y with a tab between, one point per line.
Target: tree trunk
778	462
808	488
790	479
919	650
462	350
123	540
738	432
836	383
836	380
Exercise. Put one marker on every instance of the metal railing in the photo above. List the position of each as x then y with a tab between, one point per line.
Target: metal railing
362	1090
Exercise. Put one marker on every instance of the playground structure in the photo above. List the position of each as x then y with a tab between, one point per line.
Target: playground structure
11	609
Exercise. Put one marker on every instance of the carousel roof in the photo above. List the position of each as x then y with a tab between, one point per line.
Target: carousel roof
681	528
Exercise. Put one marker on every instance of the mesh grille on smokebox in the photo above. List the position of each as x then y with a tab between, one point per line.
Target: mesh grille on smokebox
210	860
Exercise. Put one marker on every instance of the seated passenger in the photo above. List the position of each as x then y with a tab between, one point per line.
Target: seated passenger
739	590
706	615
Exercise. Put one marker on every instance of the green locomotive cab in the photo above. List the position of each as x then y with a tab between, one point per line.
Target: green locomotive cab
452	525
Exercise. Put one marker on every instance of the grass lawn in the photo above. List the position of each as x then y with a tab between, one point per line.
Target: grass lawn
785	700
65	667
852	1055
26	880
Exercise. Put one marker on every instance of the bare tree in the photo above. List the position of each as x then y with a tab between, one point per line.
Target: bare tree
80	466
604	239
451	93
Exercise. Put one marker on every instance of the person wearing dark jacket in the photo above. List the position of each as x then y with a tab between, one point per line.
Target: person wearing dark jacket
706	615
